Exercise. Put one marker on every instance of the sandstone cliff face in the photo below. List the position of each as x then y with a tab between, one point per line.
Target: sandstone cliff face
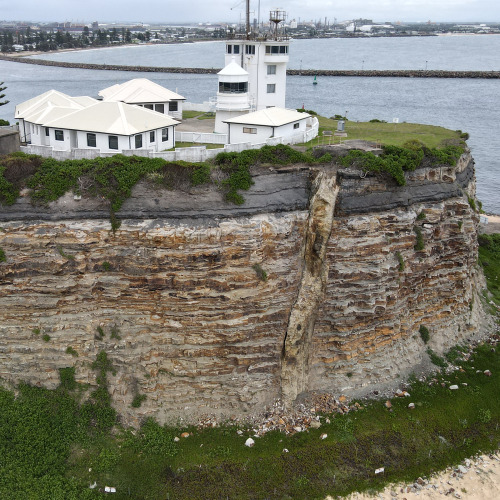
188	319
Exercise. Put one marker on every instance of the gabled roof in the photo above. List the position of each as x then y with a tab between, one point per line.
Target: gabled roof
115	118
139	90
270	117
51	98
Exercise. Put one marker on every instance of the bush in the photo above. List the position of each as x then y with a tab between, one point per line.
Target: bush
67	378
138	399
3	257
420	239
424	333
401	265
261	274
4	123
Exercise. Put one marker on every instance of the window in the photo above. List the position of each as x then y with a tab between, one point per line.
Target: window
160	108
233	87
173	106
164	134
152	136
236	49
148	106
250	49
47	131
91	140
249	130
276	49
271	69
229	49
58	134
138	141
113	141
295	125
271	88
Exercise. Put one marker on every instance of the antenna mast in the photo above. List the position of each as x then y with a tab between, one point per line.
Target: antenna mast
247	25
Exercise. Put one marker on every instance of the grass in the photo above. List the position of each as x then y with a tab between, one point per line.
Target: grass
52	452
394	134
489	257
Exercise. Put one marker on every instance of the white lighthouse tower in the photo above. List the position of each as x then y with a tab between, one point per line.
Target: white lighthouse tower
265	58
232	97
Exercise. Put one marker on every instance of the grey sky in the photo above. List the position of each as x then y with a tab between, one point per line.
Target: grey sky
232	10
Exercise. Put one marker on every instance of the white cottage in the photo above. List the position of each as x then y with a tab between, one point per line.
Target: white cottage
261	125
78	123
31	114
145	93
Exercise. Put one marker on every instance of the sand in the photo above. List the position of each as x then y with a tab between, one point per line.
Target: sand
475	479
492	226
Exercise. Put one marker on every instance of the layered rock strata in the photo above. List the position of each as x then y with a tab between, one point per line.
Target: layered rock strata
314	284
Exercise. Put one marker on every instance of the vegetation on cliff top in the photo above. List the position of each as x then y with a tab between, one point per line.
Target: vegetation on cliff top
113	178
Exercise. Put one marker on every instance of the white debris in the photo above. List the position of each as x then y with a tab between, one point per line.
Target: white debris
249	442
379	471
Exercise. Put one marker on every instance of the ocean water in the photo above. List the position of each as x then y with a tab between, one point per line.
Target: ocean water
471	105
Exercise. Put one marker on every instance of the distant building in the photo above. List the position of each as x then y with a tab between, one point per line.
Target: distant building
145	93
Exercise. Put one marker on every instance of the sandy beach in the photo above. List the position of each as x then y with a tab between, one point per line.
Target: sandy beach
474	479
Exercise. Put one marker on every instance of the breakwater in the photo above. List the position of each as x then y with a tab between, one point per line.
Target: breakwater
406	73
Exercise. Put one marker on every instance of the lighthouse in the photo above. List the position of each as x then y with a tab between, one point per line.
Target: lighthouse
265	58
232	97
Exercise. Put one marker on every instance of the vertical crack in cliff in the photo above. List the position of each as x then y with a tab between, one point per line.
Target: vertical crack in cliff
296	346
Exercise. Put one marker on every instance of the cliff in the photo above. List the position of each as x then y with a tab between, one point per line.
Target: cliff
314	284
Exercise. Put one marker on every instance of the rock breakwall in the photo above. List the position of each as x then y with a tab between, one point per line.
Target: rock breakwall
292	72
314	284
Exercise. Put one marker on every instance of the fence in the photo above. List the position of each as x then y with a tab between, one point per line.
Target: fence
194	154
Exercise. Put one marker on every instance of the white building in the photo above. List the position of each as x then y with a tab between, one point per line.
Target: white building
65	123
145	93
232	97
261	125
265	60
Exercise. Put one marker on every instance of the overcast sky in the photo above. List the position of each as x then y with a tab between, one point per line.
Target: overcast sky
170	11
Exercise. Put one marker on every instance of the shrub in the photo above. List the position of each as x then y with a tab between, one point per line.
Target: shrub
4	123
46	337
472	203
261	274
106	266
401	266
138	399
420	239
200	175
67	378
3	257
435	359
70	350
424	333
421	215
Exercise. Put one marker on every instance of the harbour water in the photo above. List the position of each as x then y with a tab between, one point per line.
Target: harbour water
471	105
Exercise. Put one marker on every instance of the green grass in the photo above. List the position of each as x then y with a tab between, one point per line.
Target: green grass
489	257
49	444
394	134
190	114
